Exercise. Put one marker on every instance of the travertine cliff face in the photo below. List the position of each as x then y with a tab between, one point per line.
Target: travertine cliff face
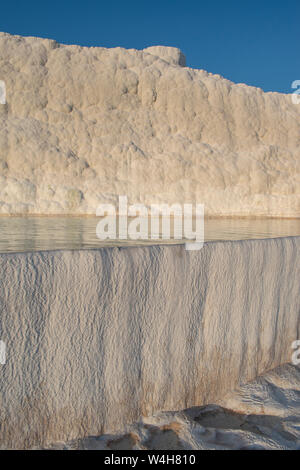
82	125
97	338
263	414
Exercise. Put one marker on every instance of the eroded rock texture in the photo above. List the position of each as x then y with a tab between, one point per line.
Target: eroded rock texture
83	125
263	414
95	339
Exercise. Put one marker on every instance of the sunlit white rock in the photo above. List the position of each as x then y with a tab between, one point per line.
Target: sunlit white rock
83	125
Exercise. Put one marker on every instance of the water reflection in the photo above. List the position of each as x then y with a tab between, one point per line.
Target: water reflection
52	233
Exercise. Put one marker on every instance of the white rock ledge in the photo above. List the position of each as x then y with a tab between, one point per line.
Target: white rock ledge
97	338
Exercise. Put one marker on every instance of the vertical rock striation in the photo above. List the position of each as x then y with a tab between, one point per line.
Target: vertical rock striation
97	338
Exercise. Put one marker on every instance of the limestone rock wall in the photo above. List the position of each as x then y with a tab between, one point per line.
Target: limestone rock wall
83	125
97	338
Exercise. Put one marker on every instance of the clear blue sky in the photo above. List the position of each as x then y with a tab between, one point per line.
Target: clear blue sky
255	42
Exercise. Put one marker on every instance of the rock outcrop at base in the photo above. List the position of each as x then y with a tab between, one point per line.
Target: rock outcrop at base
84	125
261	415
97	338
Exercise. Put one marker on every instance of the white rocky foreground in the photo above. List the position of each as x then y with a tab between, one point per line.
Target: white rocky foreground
95	339
83	125
264	414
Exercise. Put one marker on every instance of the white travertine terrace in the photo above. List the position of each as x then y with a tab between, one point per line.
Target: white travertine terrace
97	338
83	125
263	414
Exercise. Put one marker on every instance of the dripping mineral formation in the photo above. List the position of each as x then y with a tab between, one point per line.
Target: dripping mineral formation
97	338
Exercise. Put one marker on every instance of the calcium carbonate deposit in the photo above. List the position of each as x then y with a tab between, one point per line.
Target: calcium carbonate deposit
97	338
93	340
264	414
83	125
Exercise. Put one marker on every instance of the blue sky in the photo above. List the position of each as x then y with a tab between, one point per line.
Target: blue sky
255	42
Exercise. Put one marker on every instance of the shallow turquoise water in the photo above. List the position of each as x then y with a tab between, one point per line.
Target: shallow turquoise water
51	233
